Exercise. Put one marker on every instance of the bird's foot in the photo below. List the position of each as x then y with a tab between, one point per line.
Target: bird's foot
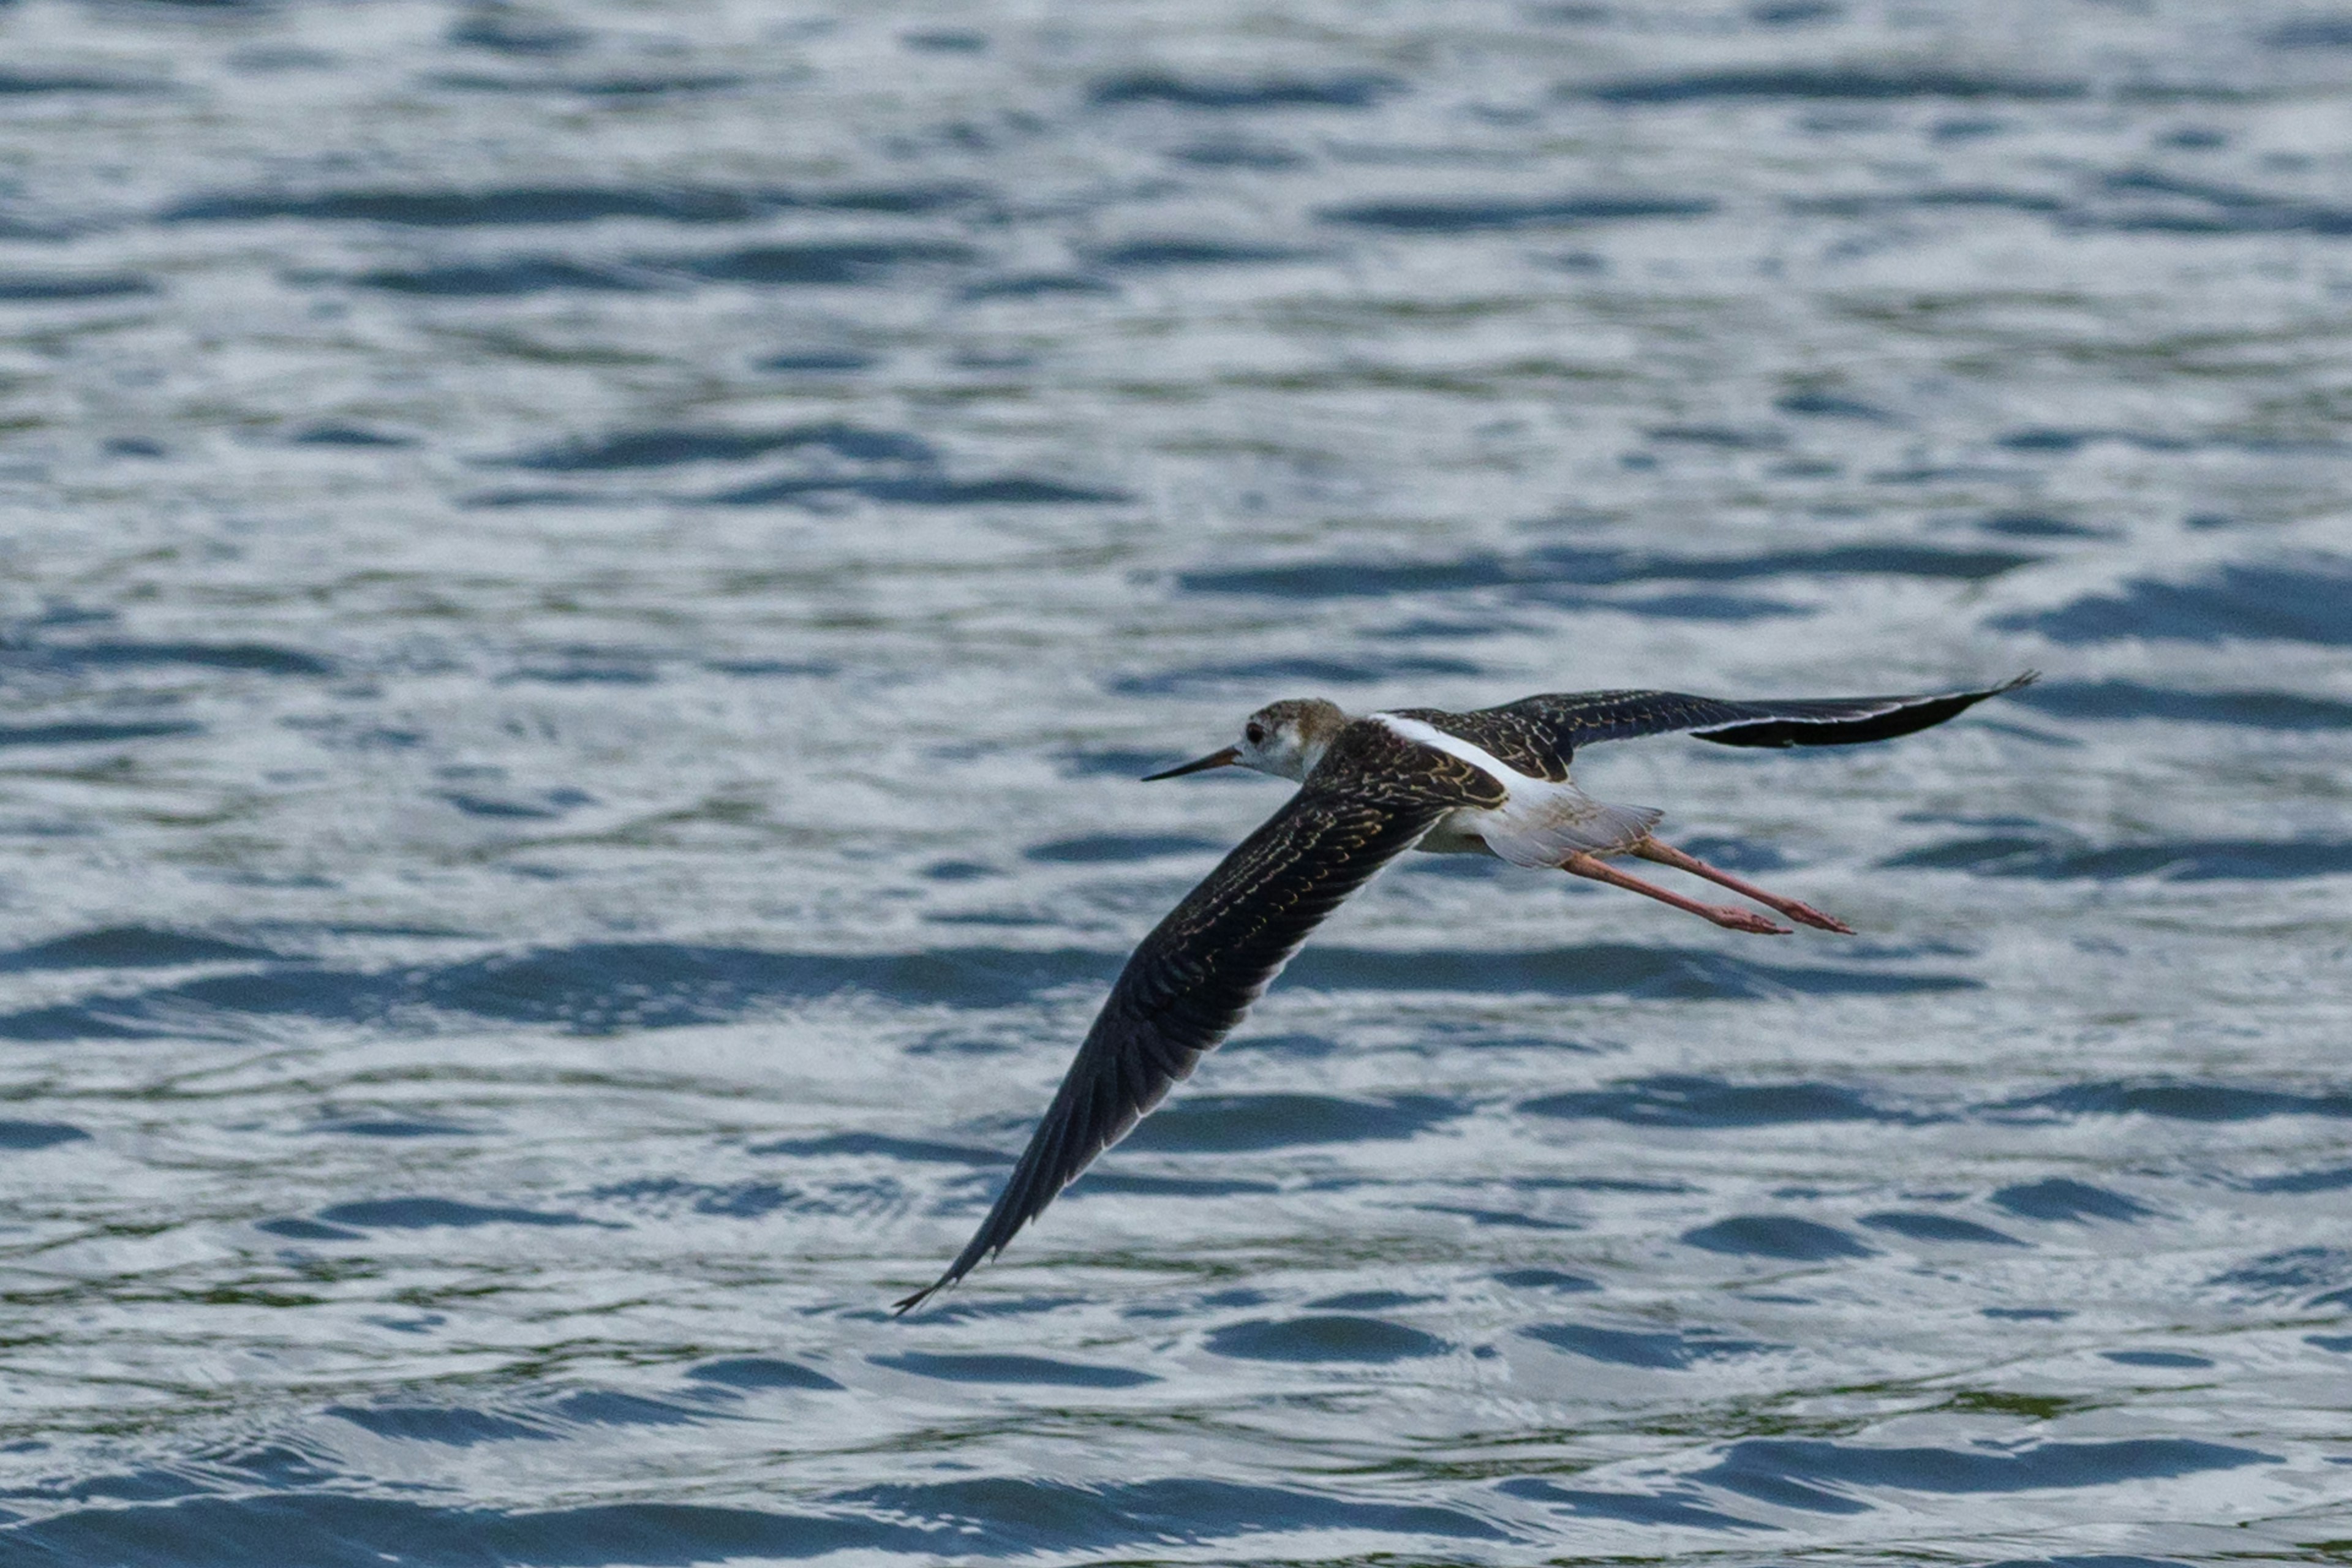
1732	918
1806	915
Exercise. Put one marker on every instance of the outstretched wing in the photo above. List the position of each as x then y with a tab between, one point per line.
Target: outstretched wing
1538	735
1189	984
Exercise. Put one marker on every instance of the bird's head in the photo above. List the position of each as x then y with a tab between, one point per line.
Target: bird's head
1285	739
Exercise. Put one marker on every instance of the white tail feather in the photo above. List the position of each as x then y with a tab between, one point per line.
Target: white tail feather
1581	827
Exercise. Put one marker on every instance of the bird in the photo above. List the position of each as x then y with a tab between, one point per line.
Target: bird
1493	781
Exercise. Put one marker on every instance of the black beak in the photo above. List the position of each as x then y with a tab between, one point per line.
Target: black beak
1224	759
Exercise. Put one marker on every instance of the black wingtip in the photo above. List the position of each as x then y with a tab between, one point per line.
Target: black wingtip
1794	726
977	1251
906	1304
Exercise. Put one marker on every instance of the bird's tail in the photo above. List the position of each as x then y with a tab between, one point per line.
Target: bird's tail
1576	825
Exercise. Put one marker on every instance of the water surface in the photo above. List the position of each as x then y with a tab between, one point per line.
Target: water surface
583	589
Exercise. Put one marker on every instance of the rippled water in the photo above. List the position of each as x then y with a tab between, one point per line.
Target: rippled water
584	588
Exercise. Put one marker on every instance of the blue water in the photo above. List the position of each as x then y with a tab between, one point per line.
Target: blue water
584	588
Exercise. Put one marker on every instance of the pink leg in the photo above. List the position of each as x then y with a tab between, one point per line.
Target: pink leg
1803	914
1581	865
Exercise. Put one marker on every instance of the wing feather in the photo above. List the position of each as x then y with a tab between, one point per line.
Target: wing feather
1538	735
1192	980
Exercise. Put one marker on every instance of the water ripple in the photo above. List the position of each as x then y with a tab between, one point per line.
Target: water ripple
2302	602
1832	86
1813	1475
1359	91
562	566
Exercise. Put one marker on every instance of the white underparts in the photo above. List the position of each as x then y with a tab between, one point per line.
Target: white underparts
1539	823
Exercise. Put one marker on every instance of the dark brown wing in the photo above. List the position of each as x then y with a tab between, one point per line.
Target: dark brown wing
1189	982
1538	735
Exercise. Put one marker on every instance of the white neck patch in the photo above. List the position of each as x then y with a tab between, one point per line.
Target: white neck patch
1437	740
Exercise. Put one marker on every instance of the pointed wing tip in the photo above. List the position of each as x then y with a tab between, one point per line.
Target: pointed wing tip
906	1304
2026	678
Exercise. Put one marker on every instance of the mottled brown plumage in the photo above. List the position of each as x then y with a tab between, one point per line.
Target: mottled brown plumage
1189	982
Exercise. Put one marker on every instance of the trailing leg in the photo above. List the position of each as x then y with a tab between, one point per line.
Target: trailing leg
1726	915
1803	914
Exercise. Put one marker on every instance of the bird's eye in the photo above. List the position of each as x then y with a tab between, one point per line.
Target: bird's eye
1256	734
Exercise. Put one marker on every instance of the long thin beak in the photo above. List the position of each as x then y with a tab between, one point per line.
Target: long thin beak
1224	759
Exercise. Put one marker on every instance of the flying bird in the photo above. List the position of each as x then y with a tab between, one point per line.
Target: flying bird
1491	782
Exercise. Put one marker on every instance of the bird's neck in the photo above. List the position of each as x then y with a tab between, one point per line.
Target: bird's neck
1309	755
